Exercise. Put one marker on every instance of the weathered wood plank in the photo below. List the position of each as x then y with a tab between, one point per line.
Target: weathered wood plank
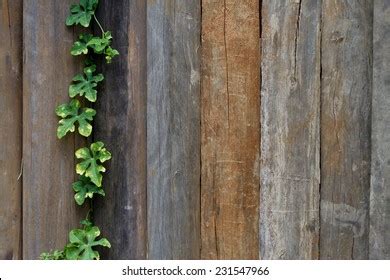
230	129
290	119
380	154
345	128
121	124
49	211
173	129
10	128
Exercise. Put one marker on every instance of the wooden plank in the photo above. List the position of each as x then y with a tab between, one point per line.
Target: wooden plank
345	128
230	129
173	129
49	211
290	119
121	124
380	153
11	128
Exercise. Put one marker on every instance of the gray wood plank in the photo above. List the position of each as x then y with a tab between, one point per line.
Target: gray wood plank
380	154
121	124
290	135
173	129
230	102
10	128
345	128
49	210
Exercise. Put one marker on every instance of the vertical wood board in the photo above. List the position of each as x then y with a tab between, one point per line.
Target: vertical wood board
121	125
10	128
173	129
380	153
230	129
49	210
290	119
345	128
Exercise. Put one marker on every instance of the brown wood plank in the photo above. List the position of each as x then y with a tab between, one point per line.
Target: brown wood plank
10	128
173	129
121	124
290	119
49	211
380	154
230	129
345	128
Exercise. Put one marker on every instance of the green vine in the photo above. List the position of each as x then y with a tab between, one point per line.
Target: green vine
84	240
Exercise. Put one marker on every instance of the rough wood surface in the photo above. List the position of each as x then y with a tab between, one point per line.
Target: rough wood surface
121	124
290	118
173	131
49	210
345	128
10	128
380	155
230	129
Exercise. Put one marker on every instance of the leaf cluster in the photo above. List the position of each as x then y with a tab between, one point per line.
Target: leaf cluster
99	45
83	241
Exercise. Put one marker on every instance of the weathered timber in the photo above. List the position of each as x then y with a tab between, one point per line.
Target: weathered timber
230	129
345	128
290	130
173	129
10	128
121	124
49	210
379	244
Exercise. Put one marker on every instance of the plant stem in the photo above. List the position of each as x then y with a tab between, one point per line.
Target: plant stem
100	26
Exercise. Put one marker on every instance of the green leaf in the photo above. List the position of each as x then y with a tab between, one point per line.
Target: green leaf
86	84
56	255
82	13
110	54
80	46
72	113
99	45
92	157
82	242
86	223
84	189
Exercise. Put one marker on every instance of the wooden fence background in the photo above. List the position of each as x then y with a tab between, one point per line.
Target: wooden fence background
239	129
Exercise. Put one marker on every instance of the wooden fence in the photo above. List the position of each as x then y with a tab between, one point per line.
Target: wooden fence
239	129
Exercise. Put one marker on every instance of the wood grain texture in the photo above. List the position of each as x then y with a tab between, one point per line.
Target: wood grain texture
230	129
10	128
49	210
121	124
290	119
173	129
380	154
345	128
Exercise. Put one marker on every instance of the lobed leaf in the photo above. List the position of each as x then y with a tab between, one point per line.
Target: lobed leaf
82	242
72	113
92	157
99	45
110	54
82	13
84	189
56	255
84	85
80	47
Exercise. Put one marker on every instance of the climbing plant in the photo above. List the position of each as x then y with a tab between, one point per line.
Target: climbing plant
83	90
